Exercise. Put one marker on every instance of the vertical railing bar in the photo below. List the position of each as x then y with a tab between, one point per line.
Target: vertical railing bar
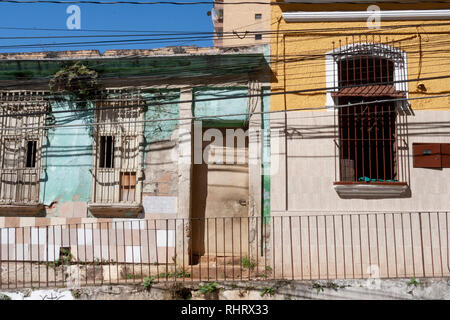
167	251
395	246
39	258
183	239
335	248
54	255
31	258
124	252
378	245
300	246
292	254
403	244
156	250
240	246
46	251
309	250
148	249
132	243
317	244
224	251
174	252
85	252
108	228
431	243
360	245
117	252
264	237
385	242
446	236
23	258
282	247
232	248
368	240
99	224
421	243
343	245
249	255
93	249
351	245
216	245
440	245
256	245
207	248
273	245
412	245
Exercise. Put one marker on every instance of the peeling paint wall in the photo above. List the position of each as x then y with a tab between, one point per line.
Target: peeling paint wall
67	160
160	186
205	110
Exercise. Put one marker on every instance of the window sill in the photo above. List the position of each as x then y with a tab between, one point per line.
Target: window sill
115	210
21	209
372	190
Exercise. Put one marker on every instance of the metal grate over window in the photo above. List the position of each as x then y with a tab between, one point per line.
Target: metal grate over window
118	140
22	117
370	118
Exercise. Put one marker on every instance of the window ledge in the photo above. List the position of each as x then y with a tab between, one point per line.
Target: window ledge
371	190
115	210
21	209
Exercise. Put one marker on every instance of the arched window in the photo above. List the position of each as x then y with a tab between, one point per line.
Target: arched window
369	97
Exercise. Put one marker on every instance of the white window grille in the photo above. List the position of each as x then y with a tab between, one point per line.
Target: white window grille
117	148
21	132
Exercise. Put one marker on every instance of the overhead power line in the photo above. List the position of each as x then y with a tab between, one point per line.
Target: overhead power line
228	97
250	113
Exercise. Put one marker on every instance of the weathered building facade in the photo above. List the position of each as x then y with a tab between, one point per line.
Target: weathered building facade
360	116
132	173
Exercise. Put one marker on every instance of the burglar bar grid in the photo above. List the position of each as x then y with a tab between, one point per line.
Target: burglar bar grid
117	148
21	150
370	138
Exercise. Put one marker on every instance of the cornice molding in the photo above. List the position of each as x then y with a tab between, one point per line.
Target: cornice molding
309	16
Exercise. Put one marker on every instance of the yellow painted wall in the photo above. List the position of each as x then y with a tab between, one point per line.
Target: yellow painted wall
298	59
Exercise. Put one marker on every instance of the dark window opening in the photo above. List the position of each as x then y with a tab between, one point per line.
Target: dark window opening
258	36
31	154
106	152
365	70
258	16
367	141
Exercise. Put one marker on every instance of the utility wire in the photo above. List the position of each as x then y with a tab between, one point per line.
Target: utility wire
233	114
260	95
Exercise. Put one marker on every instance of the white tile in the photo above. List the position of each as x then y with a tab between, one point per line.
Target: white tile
8	236
82	236
40	236
163	235
133	254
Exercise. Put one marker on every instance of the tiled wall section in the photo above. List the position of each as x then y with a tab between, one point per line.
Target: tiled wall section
117	240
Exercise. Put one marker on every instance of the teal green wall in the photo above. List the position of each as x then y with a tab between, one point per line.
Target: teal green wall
204	110
67	157
155	130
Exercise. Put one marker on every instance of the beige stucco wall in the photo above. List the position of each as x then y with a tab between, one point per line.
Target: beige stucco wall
311	166
241	18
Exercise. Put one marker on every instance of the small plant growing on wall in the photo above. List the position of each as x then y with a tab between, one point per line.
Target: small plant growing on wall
248	263
208	288
77	80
